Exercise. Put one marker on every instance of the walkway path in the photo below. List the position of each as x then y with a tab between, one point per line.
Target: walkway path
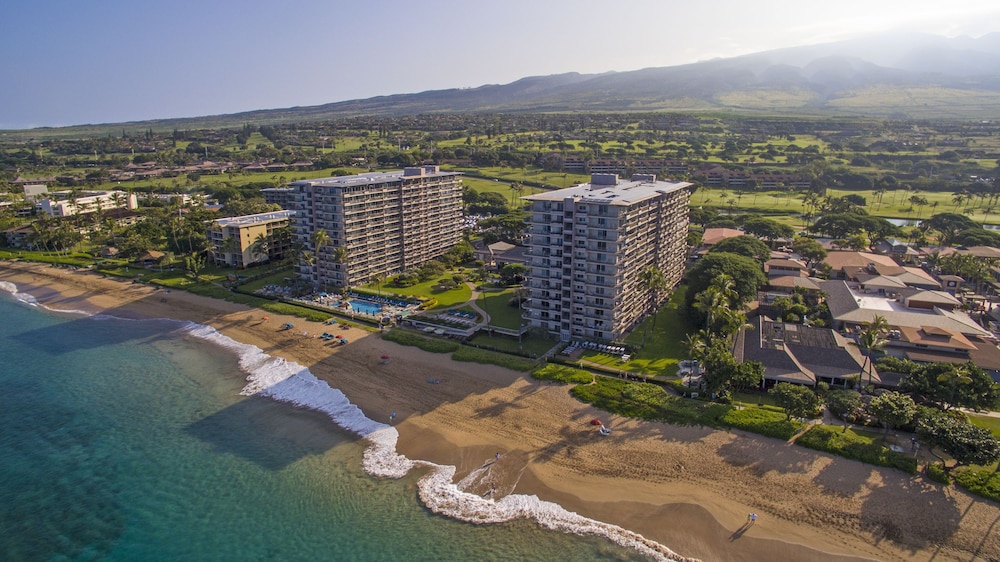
474	306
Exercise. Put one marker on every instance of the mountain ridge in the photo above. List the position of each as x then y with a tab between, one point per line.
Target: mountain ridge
934	77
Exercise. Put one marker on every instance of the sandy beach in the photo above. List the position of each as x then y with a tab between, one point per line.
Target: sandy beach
687	488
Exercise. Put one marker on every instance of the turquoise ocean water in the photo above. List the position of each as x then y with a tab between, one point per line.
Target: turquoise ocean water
131	440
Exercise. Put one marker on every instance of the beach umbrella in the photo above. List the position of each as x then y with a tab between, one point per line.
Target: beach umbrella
596	421
385	357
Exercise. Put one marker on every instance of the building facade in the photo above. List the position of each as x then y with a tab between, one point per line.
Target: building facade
589	245
67	203
232	240
377	224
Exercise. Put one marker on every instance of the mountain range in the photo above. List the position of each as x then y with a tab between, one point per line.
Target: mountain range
915	76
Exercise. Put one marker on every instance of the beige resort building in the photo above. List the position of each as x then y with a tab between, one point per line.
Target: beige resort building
231	239
589	245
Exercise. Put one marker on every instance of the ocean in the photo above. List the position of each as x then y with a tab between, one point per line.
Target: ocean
163	440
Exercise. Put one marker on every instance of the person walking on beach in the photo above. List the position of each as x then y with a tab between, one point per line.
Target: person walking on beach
392	416
753	518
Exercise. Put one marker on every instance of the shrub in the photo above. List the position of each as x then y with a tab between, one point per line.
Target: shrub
850	445
474	355
937	473
984	482
563	374
764	422
432	345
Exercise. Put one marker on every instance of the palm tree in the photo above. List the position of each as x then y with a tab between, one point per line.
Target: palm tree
320	238
954	377
695	344
653	281
261	247
958	198
872	339
340	255
709	302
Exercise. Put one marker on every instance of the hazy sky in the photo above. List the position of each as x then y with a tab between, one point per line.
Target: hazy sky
68	62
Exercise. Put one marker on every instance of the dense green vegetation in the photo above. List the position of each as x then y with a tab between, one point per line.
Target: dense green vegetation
852	445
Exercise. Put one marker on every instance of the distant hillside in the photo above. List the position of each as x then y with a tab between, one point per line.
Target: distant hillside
899	76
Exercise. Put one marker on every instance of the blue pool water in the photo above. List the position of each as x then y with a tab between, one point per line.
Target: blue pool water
366	307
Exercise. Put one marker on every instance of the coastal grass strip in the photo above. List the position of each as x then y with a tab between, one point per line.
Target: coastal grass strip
475	355
563	374
983	482
433	345
650	402
851	445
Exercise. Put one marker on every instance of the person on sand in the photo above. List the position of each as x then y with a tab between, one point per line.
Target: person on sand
753	518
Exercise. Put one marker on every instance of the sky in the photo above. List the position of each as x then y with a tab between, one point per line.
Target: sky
72	62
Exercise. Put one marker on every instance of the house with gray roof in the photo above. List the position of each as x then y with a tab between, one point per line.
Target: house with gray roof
801	354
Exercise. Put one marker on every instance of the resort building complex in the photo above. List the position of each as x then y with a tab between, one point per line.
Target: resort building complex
589	246
68	203
242	241
376	224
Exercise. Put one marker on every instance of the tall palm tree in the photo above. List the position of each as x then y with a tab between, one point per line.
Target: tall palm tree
320	238
653	281
872	339
709	302
261	247
954	377
341	256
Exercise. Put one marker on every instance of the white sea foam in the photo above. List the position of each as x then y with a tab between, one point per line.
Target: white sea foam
290	382
12	289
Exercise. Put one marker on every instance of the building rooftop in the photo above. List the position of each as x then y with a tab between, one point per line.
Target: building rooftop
376	177
608	189
259	218
847	305
715	235
840	260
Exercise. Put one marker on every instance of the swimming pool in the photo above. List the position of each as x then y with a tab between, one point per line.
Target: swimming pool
365	307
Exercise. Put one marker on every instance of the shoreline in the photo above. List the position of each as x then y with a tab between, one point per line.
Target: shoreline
688	489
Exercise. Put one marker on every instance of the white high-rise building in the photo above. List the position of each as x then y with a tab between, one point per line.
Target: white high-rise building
589	246
377	223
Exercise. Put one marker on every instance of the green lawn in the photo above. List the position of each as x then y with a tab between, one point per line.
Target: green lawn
446	299
496	303
531	345
987	422
664	345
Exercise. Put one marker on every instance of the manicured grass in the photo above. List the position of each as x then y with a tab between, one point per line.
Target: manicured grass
986	422
759	398
531	345
894	204
496	303
445	299
563	374
855	446
664	345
